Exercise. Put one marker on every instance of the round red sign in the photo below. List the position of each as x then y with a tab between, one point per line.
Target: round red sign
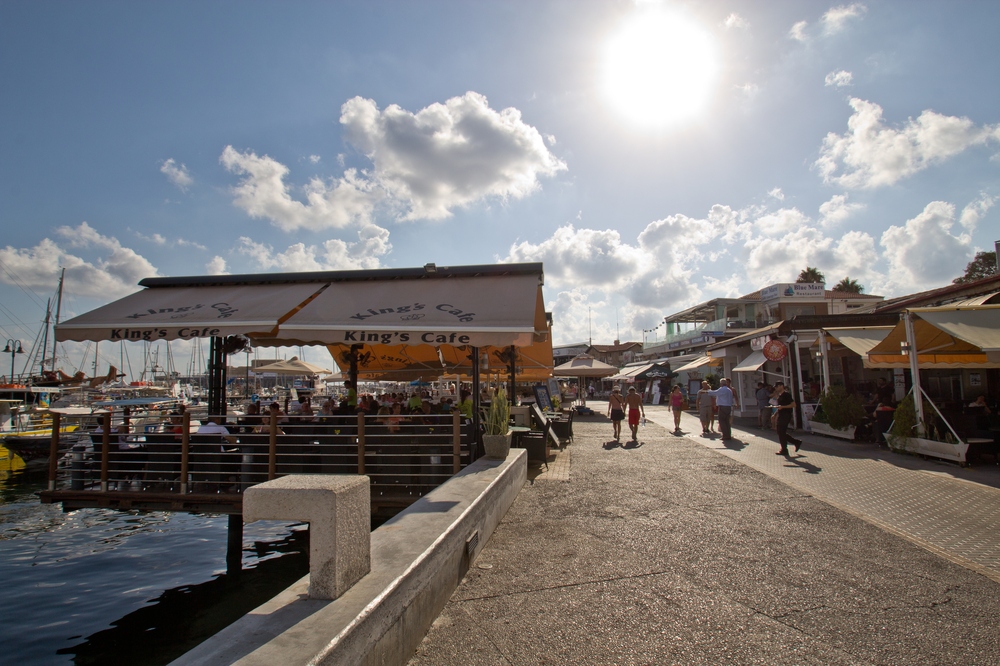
775	350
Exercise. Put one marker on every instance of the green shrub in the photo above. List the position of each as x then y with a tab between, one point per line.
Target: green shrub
498	416
839	409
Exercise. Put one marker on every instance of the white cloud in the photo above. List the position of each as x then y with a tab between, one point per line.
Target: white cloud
448	155
798	31
160	239
217	266
839	79
263	193
836	210
177	174
923	253
734	20
837	18
334	254
748	90
314	159
776	193
974	212
110	270
871	154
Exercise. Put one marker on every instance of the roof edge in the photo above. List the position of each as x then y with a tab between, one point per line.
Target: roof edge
430	271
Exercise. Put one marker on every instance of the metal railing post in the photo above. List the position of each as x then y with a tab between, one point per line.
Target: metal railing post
105	451
361	442
53	452
456	442
272	447
185	450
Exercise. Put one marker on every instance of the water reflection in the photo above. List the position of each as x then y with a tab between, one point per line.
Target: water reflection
96	586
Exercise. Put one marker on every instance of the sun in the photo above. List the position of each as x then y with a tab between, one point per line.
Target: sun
659	69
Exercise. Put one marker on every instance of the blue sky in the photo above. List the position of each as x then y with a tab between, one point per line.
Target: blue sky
725	147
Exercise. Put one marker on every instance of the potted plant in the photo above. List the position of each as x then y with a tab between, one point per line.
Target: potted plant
930	440
839	413
496	430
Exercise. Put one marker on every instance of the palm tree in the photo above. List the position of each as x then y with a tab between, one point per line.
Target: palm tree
810	275
849	286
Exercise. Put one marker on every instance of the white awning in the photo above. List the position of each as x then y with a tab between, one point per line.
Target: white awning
478	311
859	340
977	325
631	371
187	312
751	363
696	363
461	306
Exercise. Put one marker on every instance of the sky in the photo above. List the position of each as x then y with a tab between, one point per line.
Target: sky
653	155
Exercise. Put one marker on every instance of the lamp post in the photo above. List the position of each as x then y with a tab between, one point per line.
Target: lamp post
13	348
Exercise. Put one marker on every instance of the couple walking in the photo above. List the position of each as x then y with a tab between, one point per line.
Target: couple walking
616	410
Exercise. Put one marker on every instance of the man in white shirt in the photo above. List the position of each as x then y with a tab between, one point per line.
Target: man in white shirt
725	400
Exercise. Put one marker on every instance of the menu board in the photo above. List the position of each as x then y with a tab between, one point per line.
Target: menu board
542	397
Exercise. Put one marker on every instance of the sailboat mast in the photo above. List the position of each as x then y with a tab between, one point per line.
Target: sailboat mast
62	276
45	335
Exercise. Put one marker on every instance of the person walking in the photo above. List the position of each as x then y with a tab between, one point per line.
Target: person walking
616	410
635	408
705	404
786	405
677	405
725	400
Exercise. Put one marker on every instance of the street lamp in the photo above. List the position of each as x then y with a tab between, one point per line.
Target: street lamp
13	348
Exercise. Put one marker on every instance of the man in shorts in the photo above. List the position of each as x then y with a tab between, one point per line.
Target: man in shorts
635	408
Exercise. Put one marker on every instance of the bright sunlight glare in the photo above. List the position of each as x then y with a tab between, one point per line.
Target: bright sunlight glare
659	69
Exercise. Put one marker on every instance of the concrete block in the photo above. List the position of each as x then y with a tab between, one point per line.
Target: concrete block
338	510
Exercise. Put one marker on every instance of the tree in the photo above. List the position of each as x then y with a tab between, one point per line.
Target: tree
983	266
849	286
811	275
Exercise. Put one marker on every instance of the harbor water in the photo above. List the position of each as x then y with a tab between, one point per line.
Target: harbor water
96	586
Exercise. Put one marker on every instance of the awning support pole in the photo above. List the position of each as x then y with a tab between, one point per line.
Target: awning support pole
512	352
217	379
918	399
824	359
476	401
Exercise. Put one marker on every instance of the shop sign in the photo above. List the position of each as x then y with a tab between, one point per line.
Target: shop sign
793	290
775	350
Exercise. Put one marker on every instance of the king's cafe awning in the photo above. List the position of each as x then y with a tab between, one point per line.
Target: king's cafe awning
188	312
496	305
945	337
407	362
474	311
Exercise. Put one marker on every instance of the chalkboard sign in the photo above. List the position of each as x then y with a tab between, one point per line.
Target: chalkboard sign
542	397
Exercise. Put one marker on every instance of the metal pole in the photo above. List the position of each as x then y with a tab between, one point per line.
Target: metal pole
918	398
824	359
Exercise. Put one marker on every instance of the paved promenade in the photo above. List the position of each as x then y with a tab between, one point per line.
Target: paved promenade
679	550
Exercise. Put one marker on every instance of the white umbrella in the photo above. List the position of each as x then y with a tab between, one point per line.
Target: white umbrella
292	366
581	366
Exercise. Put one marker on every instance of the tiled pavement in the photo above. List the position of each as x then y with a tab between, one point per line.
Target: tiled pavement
950	511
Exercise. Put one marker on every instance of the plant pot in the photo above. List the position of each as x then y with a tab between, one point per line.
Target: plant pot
496	446
929	447
829	431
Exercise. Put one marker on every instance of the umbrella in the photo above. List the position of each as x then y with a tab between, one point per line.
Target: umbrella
293	366
583	365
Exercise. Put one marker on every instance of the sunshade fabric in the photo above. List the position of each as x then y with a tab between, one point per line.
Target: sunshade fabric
631	373
751	363
698	362
292	367
584	366
407	362
172	313
859	340
478	311
946	337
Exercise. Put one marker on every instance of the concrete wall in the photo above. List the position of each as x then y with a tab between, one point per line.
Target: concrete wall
417	560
